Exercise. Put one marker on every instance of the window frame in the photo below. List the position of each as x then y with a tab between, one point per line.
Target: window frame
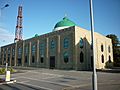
109	49
102	58
41	48
102	48
52	44
33	48
109	59
81	43
66	43
66	57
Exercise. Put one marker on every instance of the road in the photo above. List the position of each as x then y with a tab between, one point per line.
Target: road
46	79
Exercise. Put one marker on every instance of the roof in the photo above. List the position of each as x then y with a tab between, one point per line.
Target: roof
64	23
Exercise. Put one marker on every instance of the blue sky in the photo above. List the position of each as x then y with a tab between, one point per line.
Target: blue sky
40	16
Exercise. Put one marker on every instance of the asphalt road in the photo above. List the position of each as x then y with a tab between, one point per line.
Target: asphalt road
45	79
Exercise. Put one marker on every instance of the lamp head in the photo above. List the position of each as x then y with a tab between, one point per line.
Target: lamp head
7	5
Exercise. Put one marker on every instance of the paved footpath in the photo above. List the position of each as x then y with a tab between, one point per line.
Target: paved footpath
46	79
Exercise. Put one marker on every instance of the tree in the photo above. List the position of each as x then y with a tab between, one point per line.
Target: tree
116	51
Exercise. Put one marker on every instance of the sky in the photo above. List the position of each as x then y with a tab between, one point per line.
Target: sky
40	16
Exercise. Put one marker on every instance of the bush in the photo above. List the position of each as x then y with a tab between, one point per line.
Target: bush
108	64
11	70
3	70
116	64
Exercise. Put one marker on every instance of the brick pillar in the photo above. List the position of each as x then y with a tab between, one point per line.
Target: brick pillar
23	58
47	50
29	53
58	53
37	53
10	55
15	54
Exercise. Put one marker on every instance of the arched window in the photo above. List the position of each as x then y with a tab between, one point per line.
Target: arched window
66	43
52	44
81	57
109	59
102	49
102	58
109	49
66	57
81	43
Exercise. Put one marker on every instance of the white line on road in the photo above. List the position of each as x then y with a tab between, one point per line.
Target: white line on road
35	86
47	74
53	74
63	84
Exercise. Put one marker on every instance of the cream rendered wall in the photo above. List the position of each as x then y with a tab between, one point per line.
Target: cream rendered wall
99	39
85	35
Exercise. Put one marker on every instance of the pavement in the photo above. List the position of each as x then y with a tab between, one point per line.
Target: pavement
47	79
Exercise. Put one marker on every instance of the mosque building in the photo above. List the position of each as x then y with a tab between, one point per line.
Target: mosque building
68	46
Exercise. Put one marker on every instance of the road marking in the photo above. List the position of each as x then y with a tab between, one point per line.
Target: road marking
63	84
35	86
53	74
75	87
50	75
47	73
16	74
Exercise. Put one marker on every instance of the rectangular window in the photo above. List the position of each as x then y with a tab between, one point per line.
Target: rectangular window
13	51
42	48
33	48
66	43
52	44
9	51
26	50
19	51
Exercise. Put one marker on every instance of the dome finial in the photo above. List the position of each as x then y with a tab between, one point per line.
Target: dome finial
65	14
65	17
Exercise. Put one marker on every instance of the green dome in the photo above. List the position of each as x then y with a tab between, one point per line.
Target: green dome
36	35
64	22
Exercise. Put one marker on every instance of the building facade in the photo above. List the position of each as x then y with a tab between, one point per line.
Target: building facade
66	47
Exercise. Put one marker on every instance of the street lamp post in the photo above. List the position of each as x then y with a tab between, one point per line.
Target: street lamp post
94	75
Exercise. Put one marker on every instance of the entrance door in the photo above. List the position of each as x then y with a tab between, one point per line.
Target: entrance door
52	62
19	62
12	61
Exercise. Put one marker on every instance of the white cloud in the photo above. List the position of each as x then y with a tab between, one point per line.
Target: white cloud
5	36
